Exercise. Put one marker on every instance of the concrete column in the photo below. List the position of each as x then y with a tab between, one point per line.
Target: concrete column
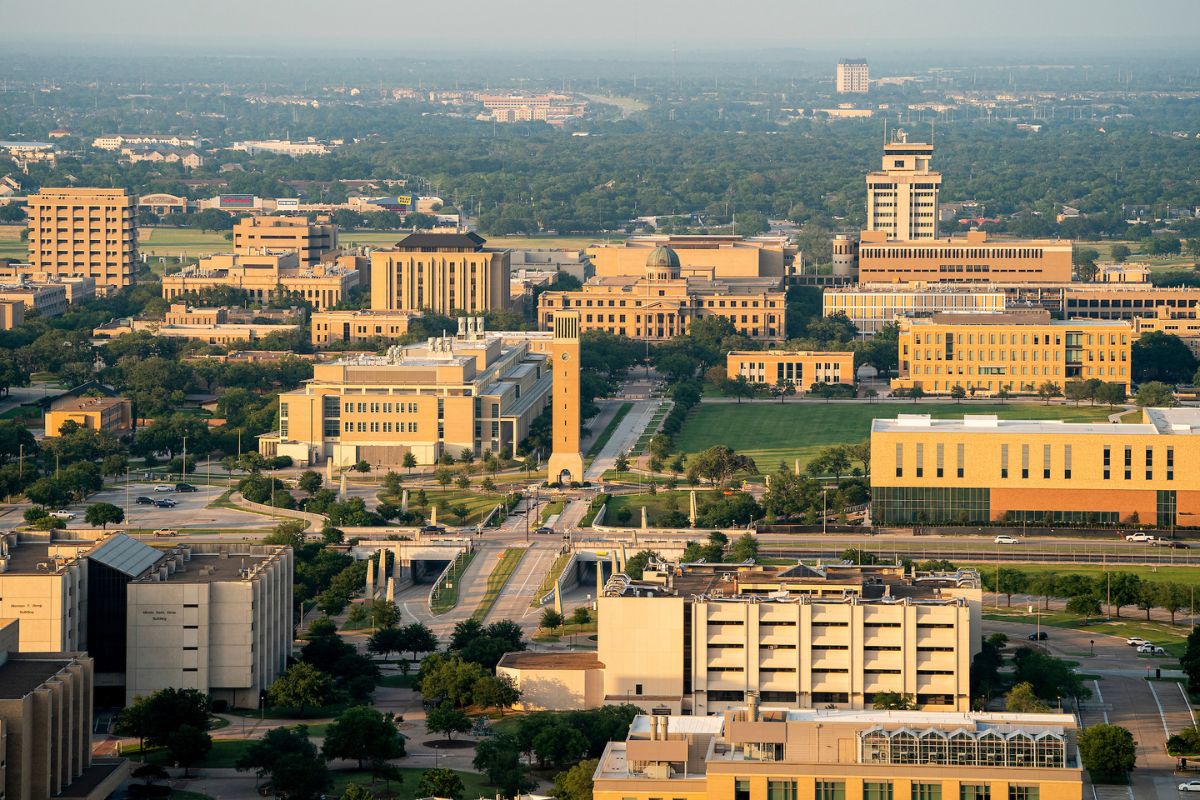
328	470
390	593
692	509
433	515
404	500
645	523
599	578
371	577
342	490
797	466
557	599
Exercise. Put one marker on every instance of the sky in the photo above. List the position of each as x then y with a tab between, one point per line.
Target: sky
599	25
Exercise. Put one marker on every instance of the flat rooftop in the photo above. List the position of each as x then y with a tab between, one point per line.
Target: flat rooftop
24	557
212	568
20	676
989	423
564	661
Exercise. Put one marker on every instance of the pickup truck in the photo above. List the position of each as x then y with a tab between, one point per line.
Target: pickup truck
1139	537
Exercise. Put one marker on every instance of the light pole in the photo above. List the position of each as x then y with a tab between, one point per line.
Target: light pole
824	523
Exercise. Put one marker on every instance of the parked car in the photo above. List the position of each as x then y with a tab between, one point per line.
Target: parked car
165	502
1039	636
144	501
1151	650
1190	786
1175	544
61	514
1135	641
166	532
544	530
1139	537
1004	538
185	487
164	487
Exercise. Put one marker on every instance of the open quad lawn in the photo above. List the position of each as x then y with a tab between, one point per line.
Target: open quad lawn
1156	574
478	503
774	432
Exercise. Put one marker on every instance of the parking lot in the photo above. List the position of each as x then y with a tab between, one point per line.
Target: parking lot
191	511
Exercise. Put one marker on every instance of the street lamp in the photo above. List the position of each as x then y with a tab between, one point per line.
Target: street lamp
824	521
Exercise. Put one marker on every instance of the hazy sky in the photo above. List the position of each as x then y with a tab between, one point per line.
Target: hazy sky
592	25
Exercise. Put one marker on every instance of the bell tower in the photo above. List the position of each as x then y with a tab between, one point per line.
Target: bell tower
566	460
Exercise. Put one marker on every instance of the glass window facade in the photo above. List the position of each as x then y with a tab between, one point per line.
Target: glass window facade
830	790
1165	502
909	505
926	791
974	791
1080	518
781	790
879	790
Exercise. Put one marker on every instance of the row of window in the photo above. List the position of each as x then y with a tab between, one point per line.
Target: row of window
566	303
951	252
377	408
878	790
373	427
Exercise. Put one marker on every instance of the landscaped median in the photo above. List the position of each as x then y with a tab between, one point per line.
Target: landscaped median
607	433
497	580
444	594
551	577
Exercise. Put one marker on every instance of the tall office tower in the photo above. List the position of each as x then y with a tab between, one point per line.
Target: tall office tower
88	232
853	76
902	198
564	352
256	235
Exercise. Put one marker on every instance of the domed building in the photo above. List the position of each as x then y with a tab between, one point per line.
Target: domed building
660	300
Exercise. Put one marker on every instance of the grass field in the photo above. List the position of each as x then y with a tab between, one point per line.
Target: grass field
656	505
774	432
550	509
1184	575
497	580
224	754
478	503
1171	638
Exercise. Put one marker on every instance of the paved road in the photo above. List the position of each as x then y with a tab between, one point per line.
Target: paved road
514	601
1122	696
623	438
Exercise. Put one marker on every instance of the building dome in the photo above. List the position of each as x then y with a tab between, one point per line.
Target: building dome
663	256
662	264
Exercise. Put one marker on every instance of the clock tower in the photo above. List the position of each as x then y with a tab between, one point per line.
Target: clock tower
566	461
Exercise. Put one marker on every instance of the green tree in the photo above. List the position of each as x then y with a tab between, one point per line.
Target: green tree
1084	605
103	513
410	461
386	641
1154	394
1022	700
187	745
576	782
290	533
621	463
309	482
958	392
581	615
417	638
499	758
448	677
744	548
551	619
1048	390
446	718
892	701
440	782
1108	752
1124	588
1161	356
559	744
302	686
1119	252
495	691
363	734
356	791
290	761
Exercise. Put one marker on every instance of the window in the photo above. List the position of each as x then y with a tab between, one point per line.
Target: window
926	791
1022	792
1024	461
1170	463
1046	461
781	790
1128	462
961	459
1107	462
899	460
974	791
830	790
1067	461
741	789
637	688
920	460
1149	463
1003	461
940	456
877	790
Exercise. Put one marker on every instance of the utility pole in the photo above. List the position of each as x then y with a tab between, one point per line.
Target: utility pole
183	462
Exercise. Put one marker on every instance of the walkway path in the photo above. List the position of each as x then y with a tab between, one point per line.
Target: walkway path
623	438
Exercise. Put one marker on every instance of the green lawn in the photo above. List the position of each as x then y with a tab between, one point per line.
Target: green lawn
497	580
550	509
399	681
478	503
656	505
1184	575
474	784
224	754
191	243
774	432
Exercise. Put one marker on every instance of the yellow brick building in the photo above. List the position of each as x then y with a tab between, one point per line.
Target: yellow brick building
801	368
871	306
663	302
981	469
902	197
844	755
969	259
89	232
311	241
1182	323
447	273
112	414
341	327
1017	351
265	276
711	257
12	314
476	391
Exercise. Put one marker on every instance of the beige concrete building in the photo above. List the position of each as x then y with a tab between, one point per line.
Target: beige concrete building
88	232
800	368
702	638
1016	351
12	314
853	76
476	391
663	302
311	241
970	259
1184	324
46	725
44	585
555	680
446	273
77	287
217	618
844	755
341	327
707	257
47	299
263	277
902	198
112	414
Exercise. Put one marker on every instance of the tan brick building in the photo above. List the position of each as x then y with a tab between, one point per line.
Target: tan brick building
341	327
311	241
446	273
902	197
1015	350
970	259
801	368
663	303
265	276
90	232
476	391
12	314
112	414
709	257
